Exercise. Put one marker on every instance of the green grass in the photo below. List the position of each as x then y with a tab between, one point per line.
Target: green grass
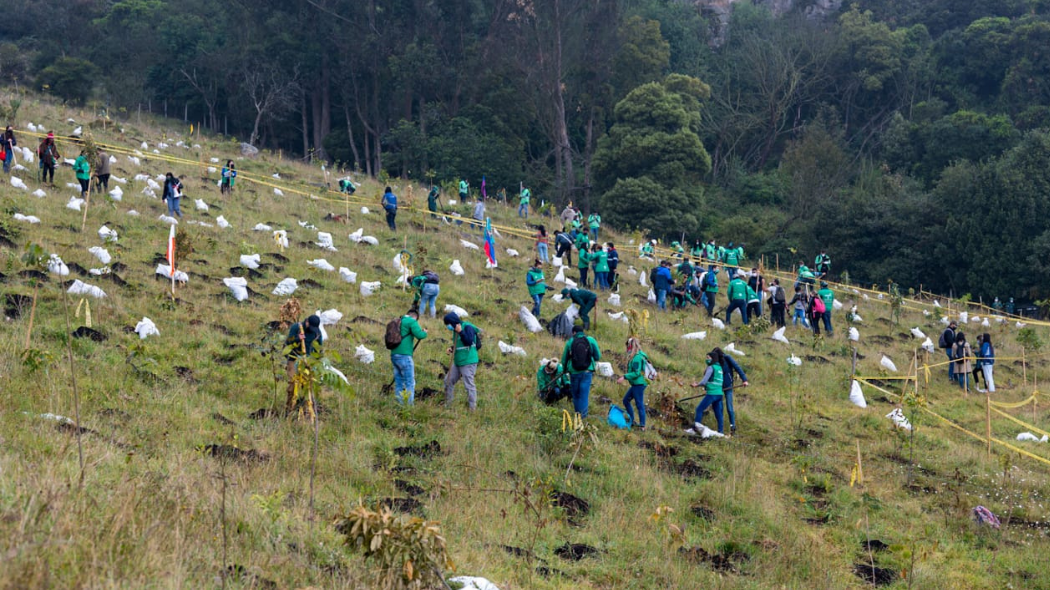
148	514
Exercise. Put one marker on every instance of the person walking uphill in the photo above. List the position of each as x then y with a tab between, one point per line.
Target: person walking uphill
102	170
464	351
580	355
828	297
947	342
304	338
390	206
986	362
712	384
737	293
82	169
729	366
635	375
523	203
401	335
7	148
537	285
585	299
49	157
172	194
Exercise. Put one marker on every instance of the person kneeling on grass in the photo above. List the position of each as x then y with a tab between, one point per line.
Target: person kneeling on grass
464	351
712	384
635	375
552	382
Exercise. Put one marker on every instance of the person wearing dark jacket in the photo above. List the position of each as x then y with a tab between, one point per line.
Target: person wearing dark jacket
432	201
563	247
585	299
757	282
7	148
389	203
729	366
712	384
986	362
304	338
948	344
102	170
172	194
777	302
614	261
662	283
49	158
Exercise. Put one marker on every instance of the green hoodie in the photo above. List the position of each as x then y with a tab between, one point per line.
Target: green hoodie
601	261
559	378
82	168
463	354
535	276
596	354
635	374
737	289
525	195
584	260
828	296
410	331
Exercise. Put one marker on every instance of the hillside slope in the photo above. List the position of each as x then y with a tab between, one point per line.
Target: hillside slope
773	506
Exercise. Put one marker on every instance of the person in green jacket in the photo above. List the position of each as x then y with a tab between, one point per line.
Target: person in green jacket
585	299
583	263
635	375
712	384
737	293
709	287
432	201
686	270
600	260
732	260
582	242
535	281
401	358
697	251
523	203
647	249
805	276
579	357
83	171
710	252
594	221
552	382
828	296
464	351
678	250
822	264
464	190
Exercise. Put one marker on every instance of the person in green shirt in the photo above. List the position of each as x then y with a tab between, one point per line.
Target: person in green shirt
737	293
710	289
582	241
635	375
552	382
722	254
647	249
464	190
579	357
732	260
535	281
583	263
710	252
712	384
583	298
822	264
401	358
697	251
679	251
594	221
523	203
600	260
828	296
464	351
805	276
432	201
83	171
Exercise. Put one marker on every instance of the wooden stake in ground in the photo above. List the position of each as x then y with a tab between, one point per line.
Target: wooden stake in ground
988	420
87	204
860	466
1024	368
32	314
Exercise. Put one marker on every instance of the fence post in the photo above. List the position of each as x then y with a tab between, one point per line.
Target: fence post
988	420
1024	367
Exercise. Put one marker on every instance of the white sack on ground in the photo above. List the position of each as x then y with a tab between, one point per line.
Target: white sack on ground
165	271
55	266
508	349
145	328
456	268
530	321
81	288
368	288
462	313
603	369
694	336
364	355
222	222
101	253
251	261
28	218
285	287
347	275
898	419
321	264
856	396
238	286
106	234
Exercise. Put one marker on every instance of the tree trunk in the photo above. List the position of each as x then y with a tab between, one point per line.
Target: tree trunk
588	153
350	136
315	108
326	106
306	124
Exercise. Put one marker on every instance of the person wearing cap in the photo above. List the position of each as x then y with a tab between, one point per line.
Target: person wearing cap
402	361
464	351
580	378
49	157
828	296
552	382
585	299
537	285
304	338
948	344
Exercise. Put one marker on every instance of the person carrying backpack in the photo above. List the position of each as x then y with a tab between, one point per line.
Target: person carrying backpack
729	366
304	338
563	245
49	158
662	283
800	302
464	351
552	382
579	357
816	312
777	302
401	335
828	297
737	293
390	206
712	384
594	221
947	342
637	366
537	285
710	289
585	299
986	362
428	287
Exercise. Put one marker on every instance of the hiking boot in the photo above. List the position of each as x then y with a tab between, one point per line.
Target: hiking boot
732	429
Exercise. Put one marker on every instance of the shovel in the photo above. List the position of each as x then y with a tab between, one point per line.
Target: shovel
390	386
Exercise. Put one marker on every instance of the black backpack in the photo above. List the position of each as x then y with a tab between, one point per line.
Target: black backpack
430	276
580	354
393	336
778	295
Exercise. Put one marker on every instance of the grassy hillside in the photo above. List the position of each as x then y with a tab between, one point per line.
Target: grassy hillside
771	507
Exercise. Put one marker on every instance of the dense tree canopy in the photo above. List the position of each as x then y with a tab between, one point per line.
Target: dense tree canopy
906	136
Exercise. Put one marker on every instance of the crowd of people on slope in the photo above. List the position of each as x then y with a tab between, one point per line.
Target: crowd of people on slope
963	363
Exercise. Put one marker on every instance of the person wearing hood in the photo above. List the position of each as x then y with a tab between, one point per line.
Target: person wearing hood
464	351
552	382
304	338
432	201
585	299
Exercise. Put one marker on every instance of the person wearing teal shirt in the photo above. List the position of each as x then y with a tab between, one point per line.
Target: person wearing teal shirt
635	376
710	289
594	221
712	384
828	296
580	365
83	171
401	358
600	261
432	201
552	382
535	281
737	293
732	260
647	249
523	203
464	351
464	190
583	298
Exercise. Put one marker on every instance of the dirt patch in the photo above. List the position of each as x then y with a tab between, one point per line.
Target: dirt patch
702	512
223	419
270	267
403	505
547	572
662	451
240	271
409	488
427	393
76	268
726	562
186	374
278	257
263	414
880	339
691	470
240	573
574	506
1028	524
231	452
15	305
115	414
86	332
366	320
34	274
118	267
874	575
310	284
873	545
575	551
520	552
816	359
423	450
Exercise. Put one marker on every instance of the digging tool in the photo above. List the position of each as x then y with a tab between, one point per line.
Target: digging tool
389	386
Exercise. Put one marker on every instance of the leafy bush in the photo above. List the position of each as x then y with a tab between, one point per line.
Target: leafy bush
70	78
408	551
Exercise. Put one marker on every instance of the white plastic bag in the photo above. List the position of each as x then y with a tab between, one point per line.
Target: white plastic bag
898	419
280	237
462	313
324	240
369	288
603	369
145	328
80	288
238	286
250	261
321	264
165	271
456	268
694	336
106	234
556	261
530	321
652	296
347	275
222	222
614	300
55	266
508	349
286	287
101	253
200	204
364	355
856	396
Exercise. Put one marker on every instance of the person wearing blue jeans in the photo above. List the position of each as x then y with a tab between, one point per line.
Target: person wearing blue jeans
523	203
429	298
948	343
537	285
579	358
635	375
401	358
712	384
662	283
737	292
799	303
729	366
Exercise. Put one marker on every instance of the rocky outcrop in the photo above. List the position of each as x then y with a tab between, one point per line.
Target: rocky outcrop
719	11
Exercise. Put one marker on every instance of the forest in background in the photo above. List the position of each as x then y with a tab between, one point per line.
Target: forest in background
908	138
